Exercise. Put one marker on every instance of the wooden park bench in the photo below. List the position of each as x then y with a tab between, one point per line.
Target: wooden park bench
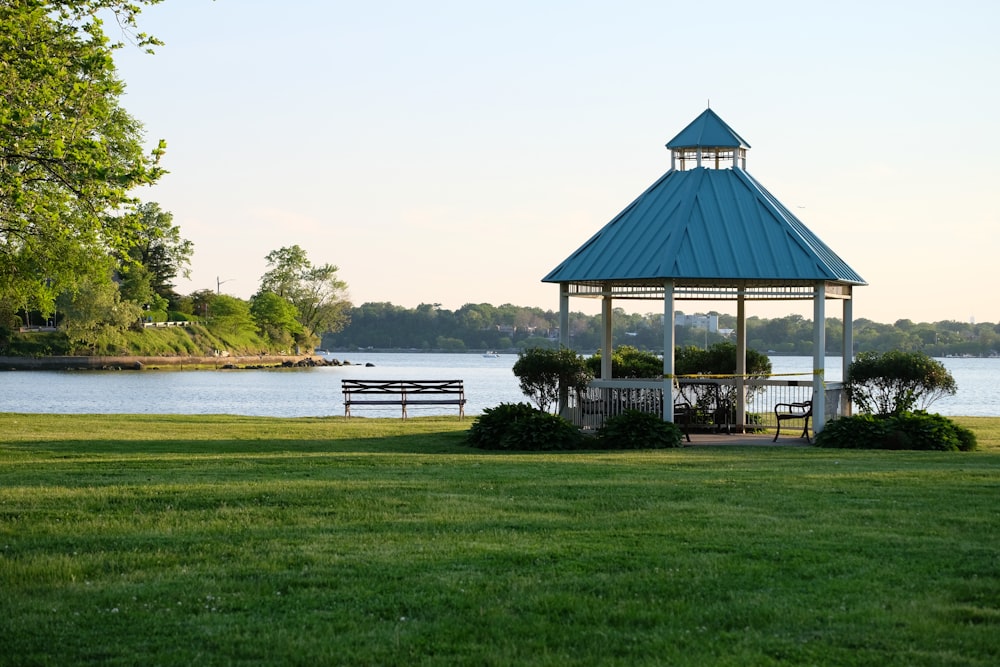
785	411
403	393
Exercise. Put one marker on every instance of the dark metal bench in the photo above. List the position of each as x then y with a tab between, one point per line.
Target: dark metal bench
403	393
786	411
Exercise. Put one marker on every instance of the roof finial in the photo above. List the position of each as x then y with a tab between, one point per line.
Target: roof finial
708	103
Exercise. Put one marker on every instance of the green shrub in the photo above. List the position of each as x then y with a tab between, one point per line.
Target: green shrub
628	362
634	429
908	430
896	382
544	374
519	426
719	359
717	403
490	427
920	430
542	431
862	431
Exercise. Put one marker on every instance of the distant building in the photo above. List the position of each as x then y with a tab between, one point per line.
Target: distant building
710	322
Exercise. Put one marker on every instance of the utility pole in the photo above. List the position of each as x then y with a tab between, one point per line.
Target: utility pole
218	284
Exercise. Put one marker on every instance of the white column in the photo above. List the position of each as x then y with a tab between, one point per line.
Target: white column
819	356
564	314
848	351
606	341
564	338
668	351
741	359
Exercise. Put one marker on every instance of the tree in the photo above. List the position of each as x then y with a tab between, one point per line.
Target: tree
95	317
276	318
315	291
896	382
629	362
718	359
545	375
159	250
230	315
136	286
70	156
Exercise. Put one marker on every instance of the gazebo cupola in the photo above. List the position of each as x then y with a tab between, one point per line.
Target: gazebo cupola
708	142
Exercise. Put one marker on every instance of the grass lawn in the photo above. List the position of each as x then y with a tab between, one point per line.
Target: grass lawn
180	540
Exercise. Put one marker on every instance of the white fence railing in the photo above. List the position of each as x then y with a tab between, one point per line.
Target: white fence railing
172	323
712	401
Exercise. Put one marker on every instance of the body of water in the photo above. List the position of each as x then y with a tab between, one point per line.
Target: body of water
310	392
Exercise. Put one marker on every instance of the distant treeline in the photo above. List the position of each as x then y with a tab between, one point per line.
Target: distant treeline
509	328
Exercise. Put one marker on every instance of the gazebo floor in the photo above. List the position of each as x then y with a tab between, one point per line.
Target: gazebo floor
745	439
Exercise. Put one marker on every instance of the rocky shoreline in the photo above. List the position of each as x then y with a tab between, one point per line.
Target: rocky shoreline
62	363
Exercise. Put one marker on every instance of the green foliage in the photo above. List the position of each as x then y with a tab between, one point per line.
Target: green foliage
542	431
318	295
628	362
719	359
230	315
864	431
71	158
95	318
450	344
897	382
276	318
920	430
519	426
906	430
489	428
159	250
508	327
544	375
634	429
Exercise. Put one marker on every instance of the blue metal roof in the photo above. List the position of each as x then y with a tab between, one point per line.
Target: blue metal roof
707	130
705	225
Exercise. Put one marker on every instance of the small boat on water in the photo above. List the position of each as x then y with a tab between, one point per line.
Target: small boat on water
491	354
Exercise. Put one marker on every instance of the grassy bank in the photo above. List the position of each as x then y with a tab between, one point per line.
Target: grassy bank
192	340
228	540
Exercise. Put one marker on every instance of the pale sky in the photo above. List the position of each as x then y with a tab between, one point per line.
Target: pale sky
456	152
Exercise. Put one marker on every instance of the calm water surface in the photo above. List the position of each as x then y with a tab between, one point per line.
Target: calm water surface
316	391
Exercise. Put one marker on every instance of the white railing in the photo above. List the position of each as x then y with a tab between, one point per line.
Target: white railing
172	323
712	401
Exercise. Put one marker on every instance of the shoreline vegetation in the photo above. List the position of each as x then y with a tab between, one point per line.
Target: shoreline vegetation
509	329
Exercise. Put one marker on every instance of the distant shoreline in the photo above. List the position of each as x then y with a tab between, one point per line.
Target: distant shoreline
62	363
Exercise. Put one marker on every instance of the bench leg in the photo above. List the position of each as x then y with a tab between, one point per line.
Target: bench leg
805	431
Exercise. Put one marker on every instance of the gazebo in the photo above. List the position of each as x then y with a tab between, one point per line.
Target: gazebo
707	230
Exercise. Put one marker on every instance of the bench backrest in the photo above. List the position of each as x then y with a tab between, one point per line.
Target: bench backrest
405	387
